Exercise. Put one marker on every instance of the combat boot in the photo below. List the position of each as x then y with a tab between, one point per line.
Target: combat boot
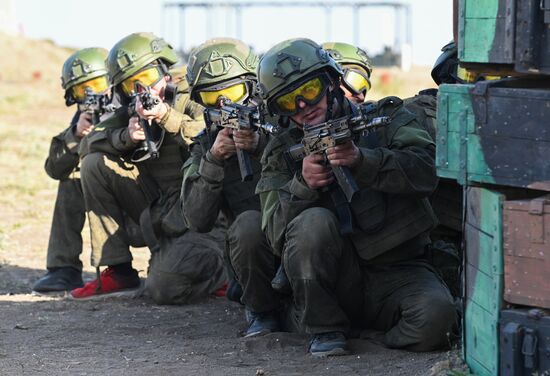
329	344
261	323
58	280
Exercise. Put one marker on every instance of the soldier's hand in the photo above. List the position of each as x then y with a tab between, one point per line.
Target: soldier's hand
315	173
156	113
344	155
84	125
224	146
246	139
135	130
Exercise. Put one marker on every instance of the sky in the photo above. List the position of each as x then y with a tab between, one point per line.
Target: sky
101	23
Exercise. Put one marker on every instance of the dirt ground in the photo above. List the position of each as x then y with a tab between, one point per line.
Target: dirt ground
56	336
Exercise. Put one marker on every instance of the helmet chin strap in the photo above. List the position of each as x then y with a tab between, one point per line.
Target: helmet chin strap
334	95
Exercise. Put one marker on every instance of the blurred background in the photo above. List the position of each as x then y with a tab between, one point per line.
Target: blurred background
403	38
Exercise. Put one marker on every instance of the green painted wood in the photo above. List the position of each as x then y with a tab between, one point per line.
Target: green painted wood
484	279
480	8
479	35
454	108
486	31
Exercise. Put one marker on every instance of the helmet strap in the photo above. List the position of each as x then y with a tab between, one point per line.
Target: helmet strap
334	96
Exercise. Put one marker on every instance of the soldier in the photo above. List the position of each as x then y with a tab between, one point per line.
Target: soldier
357	68
377	276
446	200
224	69
121	174
84	69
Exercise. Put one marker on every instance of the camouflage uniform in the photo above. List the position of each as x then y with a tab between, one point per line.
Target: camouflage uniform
376	277
65	243
81	69
184	265
211	186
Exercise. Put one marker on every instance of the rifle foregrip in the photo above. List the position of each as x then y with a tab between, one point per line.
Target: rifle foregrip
245	165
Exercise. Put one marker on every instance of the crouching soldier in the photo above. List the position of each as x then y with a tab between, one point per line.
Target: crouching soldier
222	72
356	264
356	69
132	164
86	83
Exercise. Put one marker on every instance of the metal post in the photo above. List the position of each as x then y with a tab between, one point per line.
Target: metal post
397	28
208	16
356	9
328	26
238	22
181	28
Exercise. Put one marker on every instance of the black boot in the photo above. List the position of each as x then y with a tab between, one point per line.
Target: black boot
59	280
280	282
234	291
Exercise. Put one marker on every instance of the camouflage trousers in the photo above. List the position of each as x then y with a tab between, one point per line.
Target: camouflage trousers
252	261
334	291
69	215
184	266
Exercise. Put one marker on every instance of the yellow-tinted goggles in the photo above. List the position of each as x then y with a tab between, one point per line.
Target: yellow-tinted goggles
147	77
356	81
310	92
234	93
97	85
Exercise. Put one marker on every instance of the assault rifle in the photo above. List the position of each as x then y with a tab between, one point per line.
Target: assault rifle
236	116
318	138
96	105
148	101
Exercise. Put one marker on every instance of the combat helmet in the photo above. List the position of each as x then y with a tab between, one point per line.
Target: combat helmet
82	66
136	51
290	63
345	53
220	62
445	68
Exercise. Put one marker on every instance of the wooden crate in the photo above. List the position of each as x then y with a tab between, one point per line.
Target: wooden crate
509	36
483	279
495	132
524	342
527	252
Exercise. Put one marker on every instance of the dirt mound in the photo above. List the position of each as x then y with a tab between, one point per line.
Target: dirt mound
29	60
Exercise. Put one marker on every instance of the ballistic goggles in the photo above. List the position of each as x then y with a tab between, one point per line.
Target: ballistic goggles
356	80
234	93
310	92
98	85
147	77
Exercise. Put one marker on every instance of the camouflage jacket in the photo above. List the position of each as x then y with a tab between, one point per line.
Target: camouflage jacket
62	161
400	169
210	185
181	122
424	105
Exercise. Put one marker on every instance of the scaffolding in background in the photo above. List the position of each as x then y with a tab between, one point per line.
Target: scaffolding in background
400	51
